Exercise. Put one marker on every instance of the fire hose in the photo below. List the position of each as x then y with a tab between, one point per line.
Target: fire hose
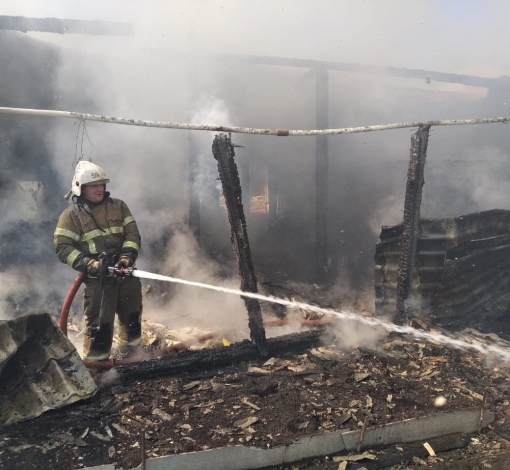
108	364
66	306
128	272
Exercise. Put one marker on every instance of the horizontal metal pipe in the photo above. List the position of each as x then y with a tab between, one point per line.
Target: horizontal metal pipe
247	130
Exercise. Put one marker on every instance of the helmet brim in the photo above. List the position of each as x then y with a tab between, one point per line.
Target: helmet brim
96	182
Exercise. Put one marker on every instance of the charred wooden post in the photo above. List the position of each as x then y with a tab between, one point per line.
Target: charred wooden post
410	234
243	162
223	152
321	174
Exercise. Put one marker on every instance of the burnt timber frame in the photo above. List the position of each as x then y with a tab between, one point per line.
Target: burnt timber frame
468	80
321	69
223	152
411	232
322	95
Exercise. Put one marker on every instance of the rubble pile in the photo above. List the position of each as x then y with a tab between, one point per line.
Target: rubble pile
40	369
272	402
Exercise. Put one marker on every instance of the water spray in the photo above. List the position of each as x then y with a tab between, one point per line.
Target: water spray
485	349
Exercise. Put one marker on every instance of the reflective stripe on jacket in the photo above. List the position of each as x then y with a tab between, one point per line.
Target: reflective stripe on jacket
85	231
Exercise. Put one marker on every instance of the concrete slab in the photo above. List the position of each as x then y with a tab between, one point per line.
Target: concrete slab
411	430
249	458
239	457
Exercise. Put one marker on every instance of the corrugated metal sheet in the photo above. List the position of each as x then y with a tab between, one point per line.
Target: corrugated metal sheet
39	369
462	263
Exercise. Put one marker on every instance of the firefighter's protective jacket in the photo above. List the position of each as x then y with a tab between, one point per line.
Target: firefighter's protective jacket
85	230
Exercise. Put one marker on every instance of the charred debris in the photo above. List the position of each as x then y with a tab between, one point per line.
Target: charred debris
272	391
268	393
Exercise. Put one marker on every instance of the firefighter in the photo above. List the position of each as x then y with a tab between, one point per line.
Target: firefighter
94	224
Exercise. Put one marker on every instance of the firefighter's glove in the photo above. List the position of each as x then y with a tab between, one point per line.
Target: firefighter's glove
124	262
94	268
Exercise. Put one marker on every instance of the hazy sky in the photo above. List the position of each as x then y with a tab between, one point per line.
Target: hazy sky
463	36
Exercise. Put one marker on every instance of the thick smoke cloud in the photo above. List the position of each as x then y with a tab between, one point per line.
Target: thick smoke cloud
168	71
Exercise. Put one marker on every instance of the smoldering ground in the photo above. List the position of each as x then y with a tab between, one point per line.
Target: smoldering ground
148	76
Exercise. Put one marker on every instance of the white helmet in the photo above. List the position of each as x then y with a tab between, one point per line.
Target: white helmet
87	173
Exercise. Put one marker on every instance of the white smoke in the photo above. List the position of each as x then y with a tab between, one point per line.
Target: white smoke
147	77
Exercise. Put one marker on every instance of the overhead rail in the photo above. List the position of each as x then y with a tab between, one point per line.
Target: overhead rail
429	75
64	26
247	130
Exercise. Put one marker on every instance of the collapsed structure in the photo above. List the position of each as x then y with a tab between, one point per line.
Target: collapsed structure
405	263
460	273
40	369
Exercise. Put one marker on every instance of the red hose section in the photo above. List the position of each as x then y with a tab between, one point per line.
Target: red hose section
66	306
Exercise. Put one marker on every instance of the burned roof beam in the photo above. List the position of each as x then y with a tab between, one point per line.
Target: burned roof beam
468	80
60	26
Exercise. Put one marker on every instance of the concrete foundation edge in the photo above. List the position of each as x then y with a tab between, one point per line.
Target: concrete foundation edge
244	458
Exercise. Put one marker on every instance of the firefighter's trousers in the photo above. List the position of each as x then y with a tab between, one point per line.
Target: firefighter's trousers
121	296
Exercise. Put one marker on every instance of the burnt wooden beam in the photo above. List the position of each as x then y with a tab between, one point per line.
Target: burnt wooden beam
429	75
61	26
209	358
223	152
410	234
321	174
417	74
